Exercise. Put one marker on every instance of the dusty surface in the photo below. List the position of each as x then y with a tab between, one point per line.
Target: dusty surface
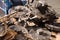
55	4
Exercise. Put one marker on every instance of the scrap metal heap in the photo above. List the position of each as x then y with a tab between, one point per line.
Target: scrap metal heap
30	22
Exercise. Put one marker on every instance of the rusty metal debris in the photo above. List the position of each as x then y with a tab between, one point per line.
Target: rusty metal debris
30	22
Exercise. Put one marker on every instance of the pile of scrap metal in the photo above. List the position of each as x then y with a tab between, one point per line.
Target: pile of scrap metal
33	21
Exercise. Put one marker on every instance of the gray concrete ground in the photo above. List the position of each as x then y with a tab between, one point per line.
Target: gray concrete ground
55	5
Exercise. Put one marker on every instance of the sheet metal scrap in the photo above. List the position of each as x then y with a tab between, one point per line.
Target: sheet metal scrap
10	35
30	22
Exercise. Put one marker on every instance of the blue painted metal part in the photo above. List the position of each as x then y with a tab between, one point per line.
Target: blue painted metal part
8	5
3	7
23	2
